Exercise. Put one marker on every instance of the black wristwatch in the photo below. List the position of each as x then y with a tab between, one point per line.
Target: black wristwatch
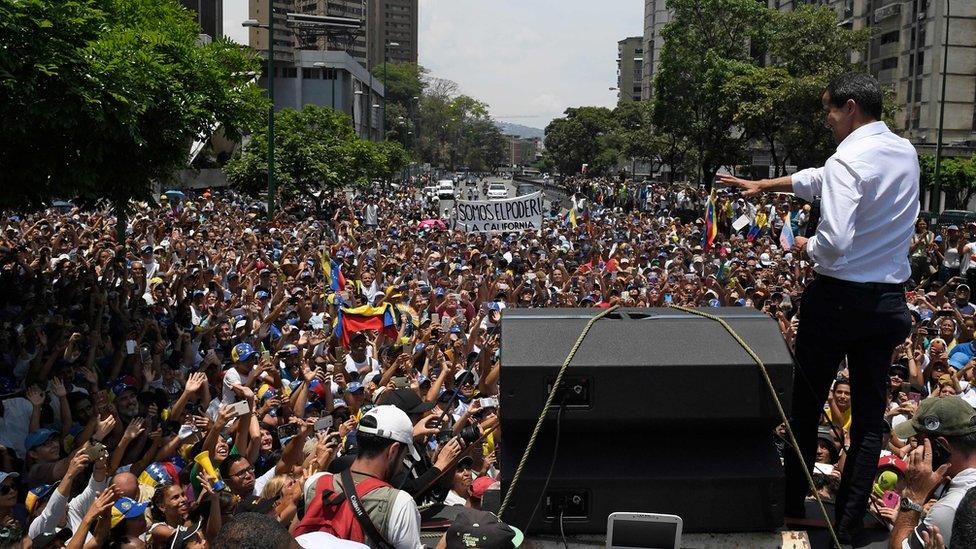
907	504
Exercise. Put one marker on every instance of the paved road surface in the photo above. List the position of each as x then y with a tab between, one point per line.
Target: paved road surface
510	185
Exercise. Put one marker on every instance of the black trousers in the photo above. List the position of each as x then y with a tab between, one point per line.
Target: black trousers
838	320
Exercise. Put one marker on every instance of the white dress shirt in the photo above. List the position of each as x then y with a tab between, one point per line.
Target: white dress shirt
869	204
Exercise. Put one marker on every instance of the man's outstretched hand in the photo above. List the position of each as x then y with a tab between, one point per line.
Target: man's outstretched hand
749	188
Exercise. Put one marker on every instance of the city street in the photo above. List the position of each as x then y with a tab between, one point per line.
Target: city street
511	185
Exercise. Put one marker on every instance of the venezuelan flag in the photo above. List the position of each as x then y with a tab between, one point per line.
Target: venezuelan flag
570	219
711	228
159	472
366	317
333	273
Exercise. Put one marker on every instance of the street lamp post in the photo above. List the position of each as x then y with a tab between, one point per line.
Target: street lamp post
271	107
386	61
352	107
936	202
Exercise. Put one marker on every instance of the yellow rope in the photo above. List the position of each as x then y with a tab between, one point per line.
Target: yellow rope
545	408
779	407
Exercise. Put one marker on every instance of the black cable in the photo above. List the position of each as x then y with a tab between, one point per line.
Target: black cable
552	464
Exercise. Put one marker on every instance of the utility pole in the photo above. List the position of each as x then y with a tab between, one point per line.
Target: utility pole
271	110
936	202
386	61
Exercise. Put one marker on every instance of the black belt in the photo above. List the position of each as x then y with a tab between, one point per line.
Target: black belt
869	286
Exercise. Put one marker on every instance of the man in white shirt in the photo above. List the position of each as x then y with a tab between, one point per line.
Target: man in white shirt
372	215
856	306
385	438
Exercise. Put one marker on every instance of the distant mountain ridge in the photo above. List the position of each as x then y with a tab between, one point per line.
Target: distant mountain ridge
509	128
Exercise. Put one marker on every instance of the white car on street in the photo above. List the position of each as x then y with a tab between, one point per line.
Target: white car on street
497	191
445	189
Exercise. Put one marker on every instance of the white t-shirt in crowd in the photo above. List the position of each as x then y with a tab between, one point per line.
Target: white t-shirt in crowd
372	214
353	366
943	512
15	424
231	377
262	481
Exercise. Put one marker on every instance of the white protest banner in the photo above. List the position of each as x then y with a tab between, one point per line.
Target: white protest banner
523	213
738	224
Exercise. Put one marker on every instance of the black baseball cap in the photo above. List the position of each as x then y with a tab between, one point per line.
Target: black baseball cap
481	529
408	401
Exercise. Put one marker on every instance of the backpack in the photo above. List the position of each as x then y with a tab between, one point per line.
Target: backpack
330	512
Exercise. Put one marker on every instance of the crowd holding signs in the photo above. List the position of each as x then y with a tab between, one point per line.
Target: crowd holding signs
219	378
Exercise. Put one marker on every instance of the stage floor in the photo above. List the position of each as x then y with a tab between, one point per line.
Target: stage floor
752	540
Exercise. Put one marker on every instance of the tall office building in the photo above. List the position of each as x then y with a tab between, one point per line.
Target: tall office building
392	22
209	15
630	69
656	15
285	41
906	54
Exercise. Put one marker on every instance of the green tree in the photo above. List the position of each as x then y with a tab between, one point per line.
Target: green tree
402	82
102	97
957	178
393	159
707	43
316	152
809	46
639	140
587	135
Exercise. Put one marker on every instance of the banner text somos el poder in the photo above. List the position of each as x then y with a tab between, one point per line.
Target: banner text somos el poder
514	214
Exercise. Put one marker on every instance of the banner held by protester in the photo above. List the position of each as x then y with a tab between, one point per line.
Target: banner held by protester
515	214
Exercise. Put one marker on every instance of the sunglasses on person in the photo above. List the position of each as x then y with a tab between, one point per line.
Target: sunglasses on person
6	489
243	472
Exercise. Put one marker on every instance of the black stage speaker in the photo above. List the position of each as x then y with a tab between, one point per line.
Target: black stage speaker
662	412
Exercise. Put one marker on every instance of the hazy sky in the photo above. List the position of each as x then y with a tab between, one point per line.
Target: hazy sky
528	59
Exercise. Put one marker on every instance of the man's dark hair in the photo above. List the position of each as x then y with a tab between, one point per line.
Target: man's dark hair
964	522
371	446
965	444
253	531
864	89
228	463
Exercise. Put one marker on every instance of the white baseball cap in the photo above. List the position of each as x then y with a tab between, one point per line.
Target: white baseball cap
391	423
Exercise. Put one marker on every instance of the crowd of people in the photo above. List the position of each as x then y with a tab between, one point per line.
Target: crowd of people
214	378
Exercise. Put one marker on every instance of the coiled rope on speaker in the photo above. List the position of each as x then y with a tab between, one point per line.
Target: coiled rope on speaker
742	343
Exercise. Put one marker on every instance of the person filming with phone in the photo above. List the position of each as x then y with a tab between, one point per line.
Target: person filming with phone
943	464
